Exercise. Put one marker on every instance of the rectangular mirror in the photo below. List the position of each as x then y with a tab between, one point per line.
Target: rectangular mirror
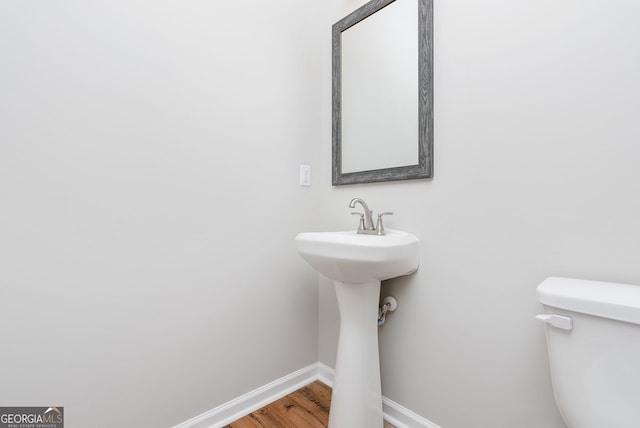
382	92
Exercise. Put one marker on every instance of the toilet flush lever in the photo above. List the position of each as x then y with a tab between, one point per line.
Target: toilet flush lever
559	321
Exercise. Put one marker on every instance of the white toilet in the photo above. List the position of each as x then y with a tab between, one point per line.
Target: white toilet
593	340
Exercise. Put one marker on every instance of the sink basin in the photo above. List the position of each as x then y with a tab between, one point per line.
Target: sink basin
355	258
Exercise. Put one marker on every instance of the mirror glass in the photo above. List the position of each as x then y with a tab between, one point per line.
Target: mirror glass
382	96
380	68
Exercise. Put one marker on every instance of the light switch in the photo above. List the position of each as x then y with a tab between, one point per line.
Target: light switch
305	175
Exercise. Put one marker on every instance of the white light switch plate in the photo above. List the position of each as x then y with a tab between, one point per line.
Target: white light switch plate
305	175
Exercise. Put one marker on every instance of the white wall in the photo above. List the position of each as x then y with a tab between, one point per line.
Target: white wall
149	158
537	150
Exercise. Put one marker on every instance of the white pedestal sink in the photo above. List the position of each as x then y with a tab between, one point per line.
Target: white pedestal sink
357	264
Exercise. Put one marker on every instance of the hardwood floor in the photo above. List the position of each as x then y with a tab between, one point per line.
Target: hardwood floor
307	407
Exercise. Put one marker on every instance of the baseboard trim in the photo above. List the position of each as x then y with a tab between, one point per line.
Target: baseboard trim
235	409
402	417
325	374
254	400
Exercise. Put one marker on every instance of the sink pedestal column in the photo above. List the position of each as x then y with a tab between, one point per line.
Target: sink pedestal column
356	401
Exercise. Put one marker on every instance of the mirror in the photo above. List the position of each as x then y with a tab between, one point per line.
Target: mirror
382	92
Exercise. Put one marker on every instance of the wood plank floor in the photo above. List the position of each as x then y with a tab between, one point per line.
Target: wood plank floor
307	407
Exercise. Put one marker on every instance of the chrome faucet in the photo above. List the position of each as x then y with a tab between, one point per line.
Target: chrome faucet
366	221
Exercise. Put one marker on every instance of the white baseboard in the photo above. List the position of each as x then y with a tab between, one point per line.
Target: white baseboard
402	417
325	374
233	410
254	400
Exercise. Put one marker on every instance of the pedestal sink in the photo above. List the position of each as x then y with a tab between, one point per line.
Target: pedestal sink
357	263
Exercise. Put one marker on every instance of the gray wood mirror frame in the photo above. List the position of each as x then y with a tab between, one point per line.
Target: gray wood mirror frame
383	93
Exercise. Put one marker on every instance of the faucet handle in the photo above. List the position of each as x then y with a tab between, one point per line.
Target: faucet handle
380	225
361	223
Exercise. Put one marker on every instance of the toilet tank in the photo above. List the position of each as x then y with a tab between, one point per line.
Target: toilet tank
593	342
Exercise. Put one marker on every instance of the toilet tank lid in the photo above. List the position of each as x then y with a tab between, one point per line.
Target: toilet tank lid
604	299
